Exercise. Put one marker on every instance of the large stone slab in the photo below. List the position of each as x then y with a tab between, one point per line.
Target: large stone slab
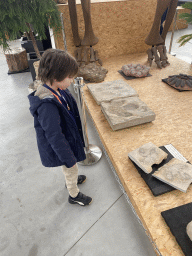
127	112
108	91
147	155
176	173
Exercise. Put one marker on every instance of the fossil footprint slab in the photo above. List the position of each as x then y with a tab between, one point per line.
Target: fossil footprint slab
176	173
147	155
127	112
108	91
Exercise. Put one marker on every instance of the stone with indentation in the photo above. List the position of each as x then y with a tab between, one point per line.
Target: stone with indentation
147	155
175	173
108	91
127	112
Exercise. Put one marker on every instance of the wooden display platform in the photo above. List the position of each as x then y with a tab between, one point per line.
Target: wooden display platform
173	124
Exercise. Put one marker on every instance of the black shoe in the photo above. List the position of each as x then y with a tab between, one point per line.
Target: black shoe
80	199
81	179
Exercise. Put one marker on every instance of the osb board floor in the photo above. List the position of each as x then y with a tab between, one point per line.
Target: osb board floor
173	124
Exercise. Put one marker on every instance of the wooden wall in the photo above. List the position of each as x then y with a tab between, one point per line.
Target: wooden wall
121	26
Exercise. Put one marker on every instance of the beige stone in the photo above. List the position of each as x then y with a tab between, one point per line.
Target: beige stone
176	173
108	91
147	155
127	112
189	230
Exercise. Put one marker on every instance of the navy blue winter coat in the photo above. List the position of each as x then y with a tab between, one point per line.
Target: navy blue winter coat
59	138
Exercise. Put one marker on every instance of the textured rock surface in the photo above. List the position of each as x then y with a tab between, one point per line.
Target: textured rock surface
126	112
92	72
108	91
147	155
136	70
189	230
176	173
16	59
180	82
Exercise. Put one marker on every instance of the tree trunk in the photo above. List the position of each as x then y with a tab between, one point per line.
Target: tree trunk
33	41
16	59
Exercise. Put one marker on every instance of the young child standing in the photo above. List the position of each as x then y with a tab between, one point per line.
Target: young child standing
57	122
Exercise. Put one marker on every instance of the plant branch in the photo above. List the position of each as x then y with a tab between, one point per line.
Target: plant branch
33	41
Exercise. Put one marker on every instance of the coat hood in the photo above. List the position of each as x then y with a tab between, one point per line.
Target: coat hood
39	96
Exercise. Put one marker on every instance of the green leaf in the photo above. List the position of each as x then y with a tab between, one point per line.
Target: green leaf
15	13
187	5
186	16
184	39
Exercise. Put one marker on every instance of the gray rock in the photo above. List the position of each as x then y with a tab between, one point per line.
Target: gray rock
136	70
92	72
126	112
108	91
147	155
176	173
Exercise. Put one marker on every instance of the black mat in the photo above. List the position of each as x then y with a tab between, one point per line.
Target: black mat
177	220
15	72
130	77
87	82
156	186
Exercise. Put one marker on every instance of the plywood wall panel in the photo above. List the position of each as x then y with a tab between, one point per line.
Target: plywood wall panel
121	26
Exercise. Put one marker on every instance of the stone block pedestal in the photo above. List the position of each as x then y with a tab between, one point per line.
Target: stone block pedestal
16	59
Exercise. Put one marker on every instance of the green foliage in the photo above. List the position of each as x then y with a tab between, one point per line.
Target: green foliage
188	17
14	14
184	39
187	5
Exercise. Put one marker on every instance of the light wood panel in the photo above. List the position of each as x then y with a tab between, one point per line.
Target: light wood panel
121	26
